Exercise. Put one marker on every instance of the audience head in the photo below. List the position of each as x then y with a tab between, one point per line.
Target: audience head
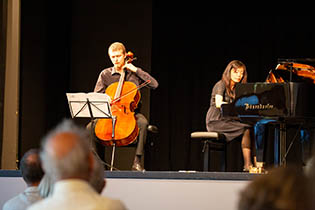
31	167
309	170
284	188
66	153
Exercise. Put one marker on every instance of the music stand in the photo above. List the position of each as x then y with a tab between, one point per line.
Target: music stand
91	105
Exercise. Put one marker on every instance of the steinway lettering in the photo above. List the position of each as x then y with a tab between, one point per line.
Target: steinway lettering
258	106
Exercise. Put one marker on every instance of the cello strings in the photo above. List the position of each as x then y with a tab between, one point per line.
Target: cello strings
128	93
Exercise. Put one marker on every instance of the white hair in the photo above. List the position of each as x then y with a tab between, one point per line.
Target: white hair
73	164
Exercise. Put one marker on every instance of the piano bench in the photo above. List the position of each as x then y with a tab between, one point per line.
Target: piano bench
212	141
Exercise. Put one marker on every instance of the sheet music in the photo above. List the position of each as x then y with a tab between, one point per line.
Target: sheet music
99	103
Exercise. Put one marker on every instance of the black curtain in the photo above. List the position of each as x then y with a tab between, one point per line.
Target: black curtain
44	69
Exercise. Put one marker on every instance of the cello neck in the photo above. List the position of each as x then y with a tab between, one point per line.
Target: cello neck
120	84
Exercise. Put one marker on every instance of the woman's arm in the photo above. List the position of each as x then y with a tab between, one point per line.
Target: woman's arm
219	101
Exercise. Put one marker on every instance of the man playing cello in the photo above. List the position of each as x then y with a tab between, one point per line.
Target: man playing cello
117	54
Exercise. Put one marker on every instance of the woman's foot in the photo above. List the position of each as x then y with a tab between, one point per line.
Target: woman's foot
247	168
259	169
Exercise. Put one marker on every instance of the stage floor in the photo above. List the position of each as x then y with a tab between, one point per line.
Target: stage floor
158	189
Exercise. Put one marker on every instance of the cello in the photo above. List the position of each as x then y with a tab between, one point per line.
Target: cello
122	128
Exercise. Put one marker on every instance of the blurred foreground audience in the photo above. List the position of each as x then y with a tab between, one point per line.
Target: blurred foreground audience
45	186
283	188
96	180
69	162
32	174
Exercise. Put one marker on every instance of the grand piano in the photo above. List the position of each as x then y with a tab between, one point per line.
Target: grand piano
286	98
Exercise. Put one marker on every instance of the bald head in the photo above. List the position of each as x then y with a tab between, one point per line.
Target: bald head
66	153
61	144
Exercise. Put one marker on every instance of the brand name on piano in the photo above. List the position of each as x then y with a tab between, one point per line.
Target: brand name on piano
258	106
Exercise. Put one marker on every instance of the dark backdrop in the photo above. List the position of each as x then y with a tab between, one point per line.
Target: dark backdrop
64	47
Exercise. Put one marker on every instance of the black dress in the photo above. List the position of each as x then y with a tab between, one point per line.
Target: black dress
229	127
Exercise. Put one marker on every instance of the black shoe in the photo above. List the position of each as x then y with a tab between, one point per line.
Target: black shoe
153	129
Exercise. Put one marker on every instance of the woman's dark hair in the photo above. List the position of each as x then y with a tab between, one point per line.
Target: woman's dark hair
226	76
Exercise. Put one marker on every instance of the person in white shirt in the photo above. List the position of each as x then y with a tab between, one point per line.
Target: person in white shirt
68	160
32	174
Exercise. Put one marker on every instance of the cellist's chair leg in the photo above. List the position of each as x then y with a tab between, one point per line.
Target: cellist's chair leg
151	154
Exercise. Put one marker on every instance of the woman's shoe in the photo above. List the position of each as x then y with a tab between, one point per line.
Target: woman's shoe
247	169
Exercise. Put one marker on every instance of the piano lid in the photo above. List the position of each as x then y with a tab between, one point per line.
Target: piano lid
293	70
309	61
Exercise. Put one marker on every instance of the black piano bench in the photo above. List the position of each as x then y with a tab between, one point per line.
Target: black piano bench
212	141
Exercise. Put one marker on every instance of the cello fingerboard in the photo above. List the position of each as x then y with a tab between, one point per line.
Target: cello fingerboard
120	84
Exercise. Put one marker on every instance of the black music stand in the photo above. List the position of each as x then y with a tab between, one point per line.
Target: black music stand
92	105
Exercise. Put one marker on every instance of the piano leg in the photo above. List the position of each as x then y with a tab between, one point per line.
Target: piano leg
283	144
280	145
276	147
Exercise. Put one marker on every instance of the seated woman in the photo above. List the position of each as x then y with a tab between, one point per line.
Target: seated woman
223	92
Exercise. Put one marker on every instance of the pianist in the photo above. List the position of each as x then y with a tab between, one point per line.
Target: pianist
223	92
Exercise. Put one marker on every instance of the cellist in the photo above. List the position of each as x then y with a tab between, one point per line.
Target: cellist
117	54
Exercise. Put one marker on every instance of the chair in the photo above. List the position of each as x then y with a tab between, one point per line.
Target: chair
125	155
213	141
